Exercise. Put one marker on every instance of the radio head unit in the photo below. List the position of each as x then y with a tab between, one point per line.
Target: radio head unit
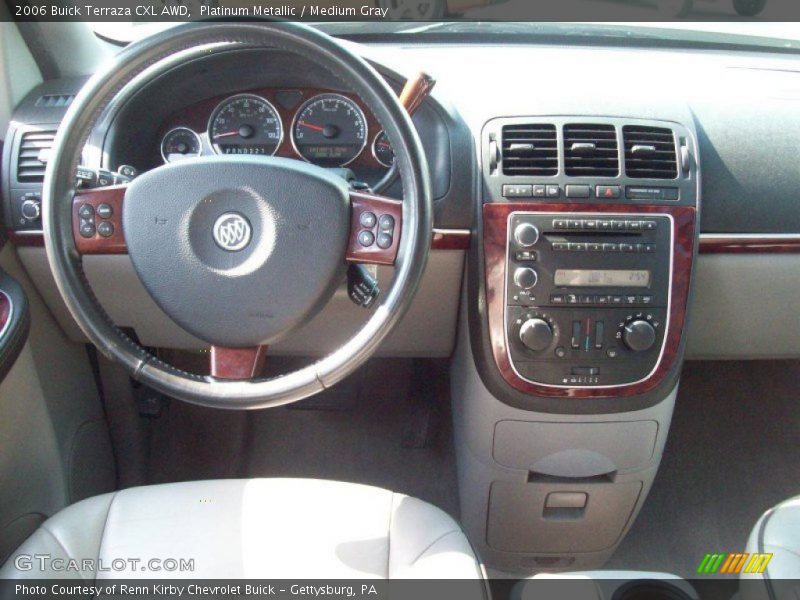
587	296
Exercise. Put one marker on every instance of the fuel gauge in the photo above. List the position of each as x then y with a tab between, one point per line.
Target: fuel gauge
382	150
180	143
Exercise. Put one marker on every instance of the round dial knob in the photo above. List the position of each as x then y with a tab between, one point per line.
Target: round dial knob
526	235
639	335
525	277
536	334
31	209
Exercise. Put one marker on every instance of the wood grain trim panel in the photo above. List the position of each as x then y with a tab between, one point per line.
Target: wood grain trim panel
749	244
495	219
451	239
97	244
237	363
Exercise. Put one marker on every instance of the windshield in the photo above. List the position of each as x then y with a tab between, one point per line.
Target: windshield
767	35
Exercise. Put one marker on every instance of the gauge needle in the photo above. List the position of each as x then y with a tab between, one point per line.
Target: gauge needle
229	134
310	126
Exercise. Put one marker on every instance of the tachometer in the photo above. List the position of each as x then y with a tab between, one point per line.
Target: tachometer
329	130
180	143
245	124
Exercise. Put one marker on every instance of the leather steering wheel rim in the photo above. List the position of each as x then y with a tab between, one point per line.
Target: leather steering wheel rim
139	64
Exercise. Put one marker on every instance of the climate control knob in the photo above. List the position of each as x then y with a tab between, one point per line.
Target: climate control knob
536	334
639	335
526	235
525	278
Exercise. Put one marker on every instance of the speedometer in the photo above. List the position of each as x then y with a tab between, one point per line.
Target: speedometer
330	130
245	124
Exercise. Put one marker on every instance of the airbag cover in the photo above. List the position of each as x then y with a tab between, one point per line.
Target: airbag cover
238	250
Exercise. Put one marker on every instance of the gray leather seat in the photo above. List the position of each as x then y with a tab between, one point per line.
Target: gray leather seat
259	528
777	532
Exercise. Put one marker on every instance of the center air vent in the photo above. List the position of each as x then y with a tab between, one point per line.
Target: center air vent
649	152
34	152
530	149
591	151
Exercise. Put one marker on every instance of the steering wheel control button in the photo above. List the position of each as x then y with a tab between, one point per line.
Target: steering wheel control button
368	220
105	228
366	238
86	211
386	223
87	229
232	232
104	211
384	241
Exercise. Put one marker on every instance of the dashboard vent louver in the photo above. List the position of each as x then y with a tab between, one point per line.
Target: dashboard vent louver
591	150
649	152
55	100
34	150
530	149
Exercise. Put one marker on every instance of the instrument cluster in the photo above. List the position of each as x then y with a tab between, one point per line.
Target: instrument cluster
326	128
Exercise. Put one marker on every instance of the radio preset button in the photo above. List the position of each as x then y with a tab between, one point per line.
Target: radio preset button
526	234
560	246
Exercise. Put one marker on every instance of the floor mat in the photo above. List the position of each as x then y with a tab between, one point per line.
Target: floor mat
733	451
366	429
364	439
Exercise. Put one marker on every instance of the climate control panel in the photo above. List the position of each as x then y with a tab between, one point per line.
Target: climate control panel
587	296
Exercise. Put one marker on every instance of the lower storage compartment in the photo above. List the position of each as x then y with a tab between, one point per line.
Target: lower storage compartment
559	518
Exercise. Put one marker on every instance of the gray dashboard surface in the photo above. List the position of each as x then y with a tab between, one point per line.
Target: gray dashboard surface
745	106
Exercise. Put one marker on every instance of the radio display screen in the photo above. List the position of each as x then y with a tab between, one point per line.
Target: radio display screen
602	278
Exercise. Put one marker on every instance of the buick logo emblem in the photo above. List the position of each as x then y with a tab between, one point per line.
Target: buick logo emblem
232	232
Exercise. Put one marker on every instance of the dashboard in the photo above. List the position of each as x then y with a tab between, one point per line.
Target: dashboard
321	126
744	127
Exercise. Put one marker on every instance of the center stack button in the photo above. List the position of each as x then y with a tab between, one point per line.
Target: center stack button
526	235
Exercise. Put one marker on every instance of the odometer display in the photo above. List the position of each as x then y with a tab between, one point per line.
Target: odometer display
245	124
330	130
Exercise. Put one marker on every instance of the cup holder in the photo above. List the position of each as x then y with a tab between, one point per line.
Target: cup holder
650	590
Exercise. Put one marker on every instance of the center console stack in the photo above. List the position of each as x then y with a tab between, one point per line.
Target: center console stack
589	236
577	296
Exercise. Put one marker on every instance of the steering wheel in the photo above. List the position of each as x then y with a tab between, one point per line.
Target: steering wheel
238	250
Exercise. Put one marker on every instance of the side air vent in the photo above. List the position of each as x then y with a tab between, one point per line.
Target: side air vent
34	151
55	100
530	150
649	152
591	150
